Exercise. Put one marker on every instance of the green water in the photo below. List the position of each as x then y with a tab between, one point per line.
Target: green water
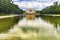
55	20
8	23
42	28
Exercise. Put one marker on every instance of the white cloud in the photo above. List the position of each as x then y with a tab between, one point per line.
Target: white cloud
15	0
47	0
39	0
34	4
37	4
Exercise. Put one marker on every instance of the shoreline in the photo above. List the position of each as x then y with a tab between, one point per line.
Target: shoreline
50	14
6	16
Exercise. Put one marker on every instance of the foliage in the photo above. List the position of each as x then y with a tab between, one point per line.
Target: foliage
55	9
37	11
7	7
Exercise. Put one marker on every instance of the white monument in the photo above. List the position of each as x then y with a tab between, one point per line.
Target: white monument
30	13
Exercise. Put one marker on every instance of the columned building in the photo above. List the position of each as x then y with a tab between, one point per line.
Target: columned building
30	13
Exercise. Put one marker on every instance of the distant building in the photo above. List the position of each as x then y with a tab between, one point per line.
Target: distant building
30	13
55	3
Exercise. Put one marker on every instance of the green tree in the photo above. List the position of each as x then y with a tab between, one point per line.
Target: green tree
55	9
6	7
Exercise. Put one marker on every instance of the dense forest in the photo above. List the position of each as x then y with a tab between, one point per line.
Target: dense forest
7	7
55	9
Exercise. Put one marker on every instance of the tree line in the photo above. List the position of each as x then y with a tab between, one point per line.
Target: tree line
55	9
7	7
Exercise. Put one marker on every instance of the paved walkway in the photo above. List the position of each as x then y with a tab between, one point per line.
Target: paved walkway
8	16
50	15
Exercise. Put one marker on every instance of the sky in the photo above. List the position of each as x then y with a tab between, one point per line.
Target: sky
37	4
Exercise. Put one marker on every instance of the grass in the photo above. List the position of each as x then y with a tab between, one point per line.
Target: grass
7	23
3	14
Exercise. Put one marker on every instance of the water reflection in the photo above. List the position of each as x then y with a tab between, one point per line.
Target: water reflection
55	20
41	28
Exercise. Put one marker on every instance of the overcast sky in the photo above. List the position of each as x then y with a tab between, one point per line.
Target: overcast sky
37	4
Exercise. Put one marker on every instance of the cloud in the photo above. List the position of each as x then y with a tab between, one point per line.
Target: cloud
16	0
37	4
40	0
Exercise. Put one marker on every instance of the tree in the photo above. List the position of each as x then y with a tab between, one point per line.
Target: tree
6	7
55	3
55	9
